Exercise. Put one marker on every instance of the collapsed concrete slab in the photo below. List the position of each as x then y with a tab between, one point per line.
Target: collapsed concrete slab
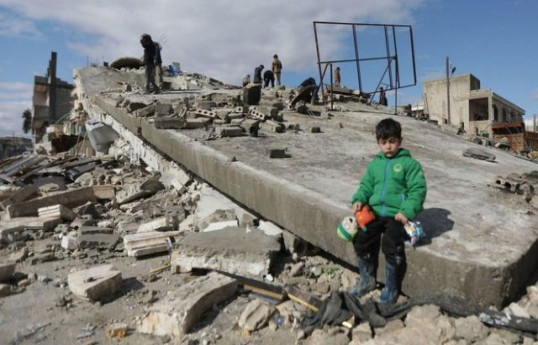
70	198
473	253
16	225
96	283
230	250
175	314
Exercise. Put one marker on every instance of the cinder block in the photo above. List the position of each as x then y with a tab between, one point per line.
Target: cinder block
96	283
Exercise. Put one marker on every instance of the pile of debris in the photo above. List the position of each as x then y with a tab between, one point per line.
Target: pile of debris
95	213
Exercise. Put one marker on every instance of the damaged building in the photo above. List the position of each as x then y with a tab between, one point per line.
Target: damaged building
51	99
207	214
476	110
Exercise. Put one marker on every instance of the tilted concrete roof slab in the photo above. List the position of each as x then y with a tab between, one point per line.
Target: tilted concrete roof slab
483	242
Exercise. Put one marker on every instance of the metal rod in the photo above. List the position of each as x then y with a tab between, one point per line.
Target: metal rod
357	61
388	55
319	64
447	92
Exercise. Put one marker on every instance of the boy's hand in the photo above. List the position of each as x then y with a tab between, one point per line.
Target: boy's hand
356	207
400	217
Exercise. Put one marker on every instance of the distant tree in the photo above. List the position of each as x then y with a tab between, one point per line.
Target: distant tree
27	123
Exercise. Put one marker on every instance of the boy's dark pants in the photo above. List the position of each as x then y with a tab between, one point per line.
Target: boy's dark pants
367	243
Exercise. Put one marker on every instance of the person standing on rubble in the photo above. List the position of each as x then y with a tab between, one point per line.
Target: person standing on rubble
268	77
258	74
382	97
277	69
158	65
150	61
337	76
394	188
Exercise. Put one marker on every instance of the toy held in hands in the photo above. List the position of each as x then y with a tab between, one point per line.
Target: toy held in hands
415	232
364	216
347	229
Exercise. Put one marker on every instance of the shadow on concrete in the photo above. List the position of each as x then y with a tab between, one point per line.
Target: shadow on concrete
130	284
435	222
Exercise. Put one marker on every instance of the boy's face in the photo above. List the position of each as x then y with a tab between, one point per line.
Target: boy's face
390	146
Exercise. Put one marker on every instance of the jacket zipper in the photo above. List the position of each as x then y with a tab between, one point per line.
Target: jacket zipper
387	164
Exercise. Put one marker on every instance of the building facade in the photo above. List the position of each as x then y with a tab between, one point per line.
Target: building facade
50	101
471	107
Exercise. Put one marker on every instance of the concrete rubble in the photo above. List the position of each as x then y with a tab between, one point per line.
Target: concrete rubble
139	229
179	310
230	250
96	283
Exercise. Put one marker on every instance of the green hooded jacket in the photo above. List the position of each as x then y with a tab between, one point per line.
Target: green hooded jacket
393	185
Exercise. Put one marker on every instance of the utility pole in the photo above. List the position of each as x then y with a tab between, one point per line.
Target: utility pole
447	91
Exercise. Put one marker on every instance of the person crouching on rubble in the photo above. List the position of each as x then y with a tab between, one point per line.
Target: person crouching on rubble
150	61
394	187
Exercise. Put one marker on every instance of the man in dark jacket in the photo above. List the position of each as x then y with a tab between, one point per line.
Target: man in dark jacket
258	74
268	77
150	61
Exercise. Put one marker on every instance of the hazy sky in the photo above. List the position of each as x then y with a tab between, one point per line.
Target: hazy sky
495	40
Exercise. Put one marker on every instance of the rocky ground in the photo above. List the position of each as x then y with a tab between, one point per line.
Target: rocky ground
42	302
39	306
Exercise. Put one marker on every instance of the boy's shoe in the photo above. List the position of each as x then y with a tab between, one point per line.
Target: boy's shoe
364	286
367	282
389	294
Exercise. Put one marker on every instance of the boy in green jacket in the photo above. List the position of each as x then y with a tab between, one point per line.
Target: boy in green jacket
394	187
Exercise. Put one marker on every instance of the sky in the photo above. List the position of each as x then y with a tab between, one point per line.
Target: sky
226	39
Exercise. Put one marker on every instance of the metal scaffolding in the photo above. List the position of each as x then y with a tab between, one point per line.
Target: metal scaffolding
390	56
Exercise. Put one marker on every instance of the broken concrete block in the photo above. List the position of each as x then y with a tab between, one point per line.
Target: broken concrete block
17	225
268	111
97	240
199	122
177	312
6	271
163	109
104	192
230	131
133	106
277	151
70	241
96	283
159	224
255	113
250	126
272	126
146	111
20	195
169	122
204	104
117	330
70	198
205	113
479	154
255	315
56	211
147	243
315	129
231	250
270	229
252	94
221	225
176	178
